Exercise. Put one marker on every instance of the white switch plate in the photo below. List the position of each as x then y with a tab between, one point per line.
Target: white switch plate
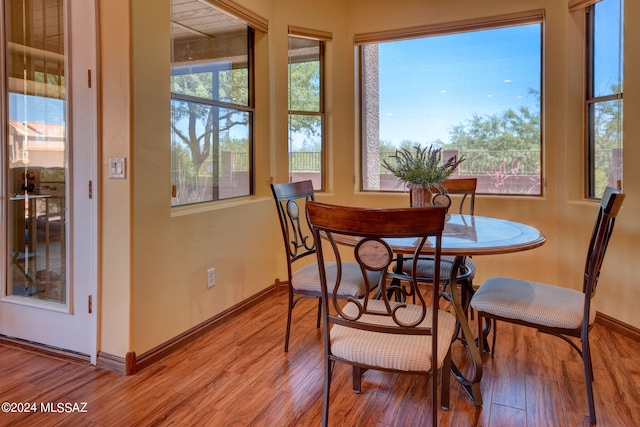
117	167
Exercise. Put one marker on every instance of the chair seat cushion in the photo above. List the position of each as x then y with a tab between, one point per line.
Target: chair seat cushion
532	302
426	267
392	351
307	279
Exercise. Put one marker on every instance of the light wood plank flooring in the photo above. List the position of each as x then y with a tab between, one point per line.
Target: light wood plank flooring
238	375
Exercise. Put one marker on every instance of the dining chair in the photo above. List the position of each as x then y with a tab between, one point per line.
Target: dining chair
465	188
376	332
550	309
303	279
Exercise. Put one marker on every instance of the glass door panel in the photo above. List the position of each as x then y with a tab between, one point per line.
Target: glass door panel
36	149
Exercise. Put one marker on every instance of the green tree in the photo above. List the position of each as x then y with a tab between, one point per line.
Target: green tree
304	86
304	97
608	122
510	130
607	137
204	122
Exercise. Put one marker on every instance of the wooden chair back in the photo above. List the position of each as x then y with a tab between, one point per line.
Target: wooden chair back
465	187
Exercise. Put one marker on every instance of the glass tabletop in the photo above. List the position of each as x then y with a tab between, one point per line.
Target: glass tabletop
478	235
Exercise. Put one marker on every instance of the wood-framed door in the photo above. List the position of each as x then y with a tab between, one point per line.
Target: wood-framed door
49	162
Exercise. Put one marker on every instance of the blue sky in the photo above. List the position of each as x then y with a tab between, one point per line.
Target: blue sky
429	85
607	47
36	109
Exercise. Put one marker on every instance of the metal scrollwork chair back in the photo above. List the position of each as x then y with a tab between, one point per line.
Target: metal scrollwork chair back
303	279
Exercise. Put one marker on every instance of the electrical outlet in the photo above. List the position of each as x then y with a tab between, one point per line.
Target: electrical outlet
211	277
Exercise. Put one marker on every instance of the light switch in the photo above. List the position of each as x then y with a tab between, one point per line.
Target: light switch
117	167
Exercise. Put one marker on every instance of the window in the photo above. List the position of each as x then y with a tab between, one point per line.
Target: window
604	95
306	110
472	88
211	105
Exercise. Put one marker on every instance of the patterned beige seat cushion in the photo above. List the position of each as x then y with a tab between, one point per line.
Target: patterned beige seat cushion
532	302
426	267
392	351
307	278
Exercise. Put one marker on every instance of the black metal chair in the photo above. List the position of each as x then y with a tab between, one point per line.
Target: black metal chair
375	332
304	280
554	310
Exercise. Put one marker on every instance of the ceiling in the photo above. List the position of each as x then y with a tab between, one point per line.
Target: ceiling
191	18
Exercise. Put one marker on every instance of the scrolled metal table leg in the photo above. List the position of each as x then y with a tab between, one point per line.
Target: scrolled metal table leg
472	384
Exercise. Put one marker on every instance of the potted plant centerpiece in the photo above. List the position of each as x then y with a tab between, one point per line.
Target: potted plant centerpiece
422	171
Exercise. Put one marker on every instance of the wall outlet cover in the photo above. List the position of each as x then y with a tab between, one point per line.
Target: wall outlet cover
211	277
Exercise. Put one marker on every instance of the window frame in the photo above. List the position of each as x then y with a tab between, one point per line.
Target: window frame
322	38
249	109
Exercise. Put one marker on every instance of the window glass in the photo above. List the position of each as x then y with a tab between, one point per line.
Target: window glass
211	111
36	87
475	94
306	118
604	96
607	48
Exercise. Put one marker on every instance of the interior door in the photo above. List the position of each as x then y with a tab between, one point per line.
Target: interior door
48	161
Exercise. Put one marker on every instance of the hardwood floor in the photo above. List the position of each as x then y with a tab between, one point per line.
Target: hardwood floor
238	375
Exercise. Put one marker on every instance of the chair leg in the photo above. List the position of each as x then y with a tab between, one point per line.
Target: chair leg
445	382
481	336
592	378
434	392
319	312
357	379
328	367
495	333
484	328
289	310
588	377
